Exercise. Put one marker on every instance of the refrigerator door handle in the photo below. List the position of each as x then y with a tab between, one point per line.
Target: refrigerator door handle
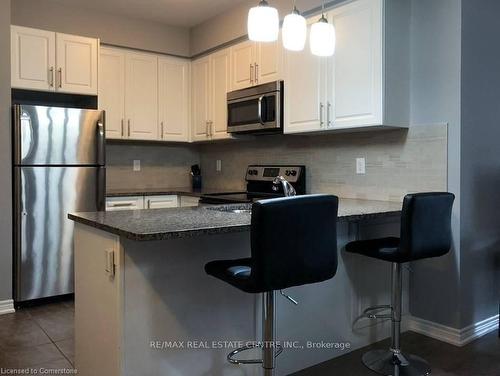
101	189
101	141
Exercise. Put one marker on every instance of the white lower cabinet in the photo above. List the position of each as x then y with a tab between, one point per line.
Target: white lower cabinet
160	202
124	203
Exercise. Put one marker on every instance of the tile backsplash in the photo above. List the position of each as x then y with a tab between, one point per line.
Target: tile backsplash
397	161
162	166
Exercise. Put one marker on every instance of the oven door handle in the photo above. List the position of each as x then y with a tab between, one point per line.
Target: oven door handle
259	109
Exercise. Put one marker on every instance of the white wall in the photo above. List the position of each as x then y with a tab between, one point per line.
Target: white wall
5	156
435	97
112	29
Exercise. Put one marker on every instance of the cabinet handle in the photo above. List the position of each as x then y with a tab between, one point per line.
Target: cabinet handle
256	73
251	73
321	106
161	125
60	77
328	108
121	127
121	205
128	127
51	76
211	128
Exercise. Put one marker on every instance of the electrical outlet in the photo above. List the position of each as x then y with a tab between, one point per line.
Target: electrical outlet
360	166
218	165
137	165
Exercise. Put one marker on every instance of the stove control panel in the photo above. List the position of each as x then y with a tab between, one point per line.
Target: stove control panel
267	173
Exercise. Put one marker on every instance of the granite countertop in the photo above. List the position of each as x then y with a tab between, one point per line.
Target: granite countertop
160	224
182	191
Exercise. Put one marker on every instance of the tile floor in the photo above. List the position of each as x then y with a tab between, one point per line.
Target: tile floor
38	337
43	337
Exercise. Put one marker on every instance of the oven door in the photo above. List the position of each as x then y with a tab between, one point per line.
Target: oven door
253	114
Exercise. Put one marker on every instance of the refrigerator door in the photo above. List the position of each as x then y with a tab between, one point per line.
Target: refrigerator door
58	136
44	234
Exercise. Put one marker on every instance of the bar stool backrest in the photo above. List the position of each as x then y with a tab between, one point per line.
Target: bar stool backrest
294	241
426	225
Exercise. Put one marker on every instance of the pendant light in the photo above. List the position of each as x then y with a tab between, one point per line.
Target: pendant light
322	38
263	23
294	31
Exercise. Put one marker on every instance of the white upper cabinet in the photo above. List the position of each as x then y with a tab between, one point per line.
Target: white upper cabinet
201	99
220	85
76	64
305	90
255	63
365	84
44	60
357	71
112	90
33	58
141	96
173	99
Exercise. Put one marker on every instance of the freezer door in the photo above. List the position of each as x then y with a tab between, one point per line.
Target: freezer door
58	136
44	235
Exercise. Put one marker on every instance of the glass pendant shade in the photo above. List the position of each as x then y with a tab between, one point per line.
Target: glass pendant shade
322	38
294	31
263	23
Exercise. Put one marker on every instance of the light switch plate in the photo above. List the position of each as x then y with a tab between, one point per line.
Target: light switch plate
218	165
137	165
360	166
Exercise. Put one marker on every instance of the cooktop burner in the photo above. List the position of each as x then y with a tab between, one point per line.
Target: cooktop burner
260	185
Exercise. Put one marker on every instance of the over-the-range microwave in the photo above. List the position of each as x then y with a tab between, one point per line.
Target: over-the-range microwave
257	109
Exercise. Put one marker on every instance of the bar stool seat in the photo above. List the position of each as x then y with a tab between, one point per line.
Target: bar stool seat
293	243
386	249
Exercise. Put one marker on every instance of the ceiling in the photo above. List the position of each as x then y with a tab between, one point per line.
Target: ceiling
186	13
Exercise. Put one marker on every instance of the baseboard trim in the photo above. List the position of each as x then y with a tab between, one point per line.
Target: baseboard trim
6	306
457	337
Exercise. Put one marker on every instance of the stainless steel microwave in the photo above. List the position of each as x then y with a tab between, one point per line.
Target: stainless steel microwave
258	109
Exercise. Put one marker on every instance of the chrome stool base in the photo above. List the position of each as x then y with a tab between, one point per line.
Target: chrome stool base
389	363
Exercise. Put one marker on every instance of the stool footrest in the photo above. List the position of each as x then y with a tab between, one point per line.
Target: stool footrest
368	312
231	356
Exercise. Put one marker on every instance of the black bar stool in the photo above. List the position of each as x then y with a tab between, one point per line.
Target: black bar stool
425	233
293	243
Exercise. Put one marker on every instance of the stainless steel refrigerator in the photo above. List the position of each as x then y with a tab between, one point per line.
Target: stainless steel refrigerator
59	167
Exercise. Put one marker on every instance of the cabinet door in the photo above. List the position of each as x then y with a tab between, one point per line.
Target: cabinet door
173	97
269	62
201	98
358	64
305	91
160	202
124	203
112	90
76	64
220	86
243	65
141	96
33	58
188	201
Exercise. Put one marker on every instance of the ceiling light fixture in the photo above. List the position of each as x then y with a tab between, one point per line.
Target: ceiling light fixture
322	38
294	31
263	23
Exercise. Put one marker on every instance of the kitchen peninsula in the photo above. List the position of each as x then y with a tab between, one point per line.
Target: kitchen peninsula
140	281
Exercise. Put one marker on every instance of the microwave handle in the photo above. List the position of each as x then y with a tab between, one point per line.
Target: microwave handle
259	110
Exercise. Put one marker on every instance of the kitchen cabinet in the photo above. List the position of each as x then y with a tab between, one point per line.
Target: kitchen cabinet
365	85
141	96
189	201
49	61
173	99
112	90
124	203
255	63
211	83
160	202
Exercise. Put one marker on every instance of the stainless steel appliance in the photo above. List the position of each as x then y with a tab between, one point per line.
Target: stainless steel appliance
258	109
59	167
261	184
